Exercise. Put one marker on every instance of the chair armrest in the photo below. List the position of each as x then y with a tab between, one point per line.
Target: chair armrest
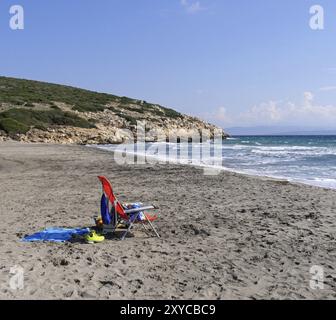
136	210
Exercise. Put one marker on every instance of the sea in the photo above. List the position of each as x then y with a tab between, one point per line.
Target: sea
305	159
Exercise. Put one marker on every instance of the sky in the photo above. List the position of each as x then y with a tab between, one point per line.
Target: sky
230	62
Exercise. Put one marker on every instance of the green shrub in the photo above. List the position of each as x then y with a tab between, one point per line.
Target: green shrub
12	126
19	92
42	119
41	127
170	113
87	107
130	119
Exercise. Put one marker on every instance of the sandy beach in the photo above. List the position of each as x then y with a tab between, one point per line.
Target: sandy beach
223	237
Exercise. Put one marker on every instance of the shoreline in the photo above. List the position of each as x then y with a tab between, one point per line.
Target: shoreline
225	169
218	168
229	236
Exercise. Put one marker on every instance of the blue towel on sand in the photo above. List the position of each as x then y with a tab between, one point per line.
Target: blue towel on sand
55	235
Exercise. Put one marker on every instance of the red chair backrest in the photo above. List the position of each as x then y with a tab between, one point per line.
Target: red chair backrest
107	187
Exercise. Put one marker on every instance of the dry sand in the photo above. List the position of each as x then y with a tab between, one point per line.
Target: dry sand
223	237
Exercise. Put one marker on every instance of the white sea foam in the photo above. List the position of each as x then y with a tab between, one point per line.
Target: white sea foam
310	163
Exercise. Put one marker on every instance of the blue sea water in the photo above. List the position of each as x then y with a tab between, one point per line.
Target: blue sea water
305	159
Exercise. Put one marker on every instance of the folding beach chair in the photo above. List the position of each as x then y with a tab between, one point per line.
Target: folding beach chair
115	213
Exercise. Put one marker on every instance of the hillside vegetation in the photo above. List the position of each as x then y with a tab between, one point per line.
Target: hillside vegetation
29	108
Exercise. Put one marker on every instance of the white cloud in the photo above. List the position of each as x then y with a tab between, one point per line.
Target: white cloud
308	98
330	88
191	7
221	114
265	112
280	113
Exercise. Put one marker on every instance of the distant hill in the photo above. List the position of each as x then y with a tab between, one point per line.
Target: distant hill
43	112
277	130
312	133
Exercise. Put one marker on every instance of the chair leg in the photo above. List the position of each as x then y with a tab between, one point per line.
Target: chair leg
144	226
152	226
129	227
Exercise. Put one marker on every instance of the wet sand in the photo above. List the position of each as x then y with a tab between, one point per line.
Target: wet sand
227	236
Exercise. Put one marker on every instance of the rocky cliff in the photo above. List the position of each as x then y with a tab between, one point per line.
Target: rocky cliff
32	111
